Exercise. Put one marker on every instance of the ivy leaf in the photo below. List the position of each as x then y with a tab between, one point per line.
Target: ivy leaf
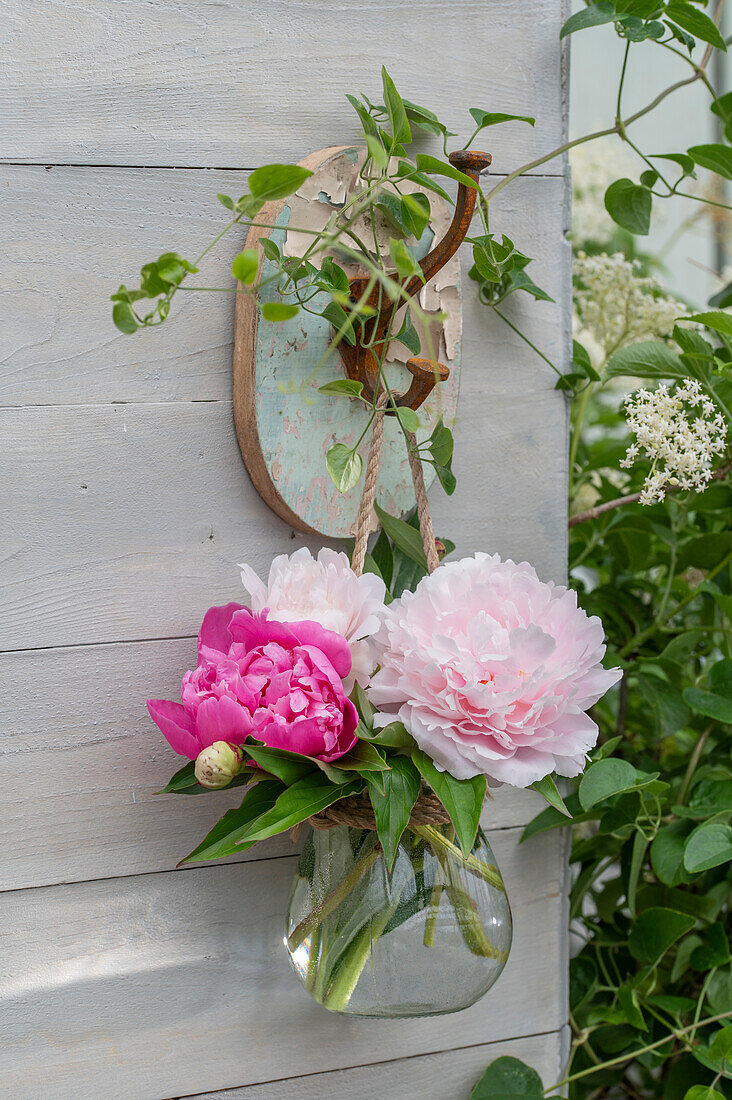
393	803
655	931
696	22
279	311
462	798
492	118
593	16
276	181
508	1079
604	779
710	845
717	158
395	108
403	260
629	205
408	419
244	267
434	167
344	466
342	387
124	318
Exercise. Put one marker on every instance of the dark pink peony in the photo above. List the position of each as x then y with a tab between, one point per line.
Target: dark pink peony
280	683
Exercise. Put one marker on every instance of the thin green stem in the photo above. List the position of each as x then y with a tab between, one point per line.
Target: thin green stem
526	340
333	899
693	763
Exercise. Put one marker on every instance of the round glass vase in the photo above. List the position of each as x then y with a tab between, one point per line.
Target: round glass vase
429	937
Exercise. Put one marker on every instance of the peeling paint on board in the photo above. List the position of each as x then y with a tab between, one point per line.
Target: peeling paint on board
296	424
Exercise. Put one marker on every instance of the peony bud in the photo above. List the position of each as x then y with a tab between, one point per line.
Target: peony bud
217	765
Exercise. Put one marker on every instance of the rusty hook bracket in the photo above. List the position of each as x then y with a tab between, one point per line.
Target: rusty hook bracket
362	362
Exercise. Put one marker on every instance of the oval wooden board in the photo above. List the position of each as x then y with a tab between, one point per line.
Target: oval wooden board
284	426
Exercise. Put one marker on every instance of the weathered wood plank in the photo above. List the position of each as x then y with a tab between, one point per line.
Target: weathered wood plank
233	82
70	236
430	1077
127	520
90	737
165	985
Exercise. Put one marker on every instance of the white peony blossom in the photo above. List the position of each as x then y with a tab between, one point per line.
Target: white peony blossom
680	432
325	590
615	307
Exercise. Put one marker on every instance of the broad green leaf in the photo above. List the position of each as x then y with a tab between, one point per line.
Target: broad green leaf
279	311
491	118
183	778
629	204
713	952
684	161
363	705
696	22
408	419
409	336
403	260
226	201
548	790
224	838
447	479
434	167
287	766
403	535
308	796
703	1092
376	150
708	846
342	387
595	15
364	756
393	805
270	249
582	980
717	320
124	318
628	1001
711	796
276	181
604	779
393	736
647	359
395	107
508	1079
340	320
244	267
344	466
550	818
709	704
462	798
717	158
719	991
415	213
655	930
720	1048
667	852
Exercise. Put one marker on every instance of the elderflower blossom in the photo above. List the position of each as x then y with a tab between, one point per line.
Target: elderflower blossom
615	307
680	432
594	167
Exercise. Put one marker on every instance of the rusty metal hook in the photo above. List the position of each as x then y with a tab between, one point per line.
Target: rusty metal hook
362	363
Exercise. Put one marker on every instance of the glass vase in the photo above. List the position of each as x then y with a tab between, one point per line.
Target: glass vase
429	937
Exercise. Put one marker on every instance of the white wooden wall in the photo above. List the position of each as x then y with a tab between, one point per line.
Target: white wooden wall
126	506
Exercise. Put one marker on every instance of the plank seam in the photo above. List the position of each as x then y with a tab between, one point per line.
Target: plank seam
371	1065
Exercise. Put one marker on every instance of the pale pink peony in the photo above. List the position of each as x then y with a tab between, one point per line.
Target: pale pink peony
278	683
491	671
327	590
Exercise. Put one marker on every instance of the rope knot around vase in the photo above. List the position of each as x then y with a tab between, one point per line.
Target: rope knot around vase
357	813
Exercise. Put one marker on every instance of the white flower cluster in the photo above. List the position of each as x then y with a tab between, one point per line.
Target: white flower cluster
680	432
614	306
594	167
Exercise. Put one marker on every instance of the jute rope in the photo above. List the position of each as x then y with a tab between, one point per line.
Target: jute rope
357	812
